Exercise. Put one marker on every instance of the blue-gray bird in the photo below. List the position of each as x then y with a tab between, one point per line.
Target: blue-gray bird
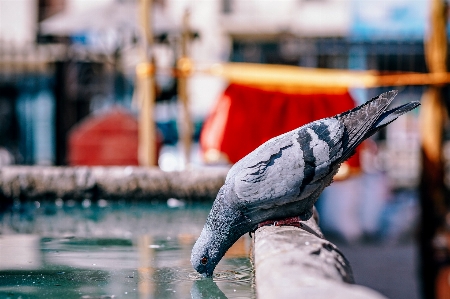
284	176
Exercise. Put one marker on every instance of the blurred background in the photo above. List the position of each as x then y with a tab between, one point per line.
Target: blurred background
199	83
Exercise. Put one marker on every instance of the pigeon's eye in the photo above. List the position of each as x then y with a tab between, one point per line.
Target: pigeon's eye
204	260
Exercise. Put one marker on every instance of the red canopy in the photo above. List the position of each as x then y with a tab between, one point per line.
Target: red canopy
245	117
109	138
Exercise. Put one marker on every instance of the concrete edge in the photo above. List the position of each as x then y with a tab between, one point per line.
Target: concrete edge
130	182
292	262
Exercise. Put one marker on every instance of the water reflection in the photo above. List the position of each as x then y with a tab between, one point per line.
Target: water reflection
115	251
24	257
206	288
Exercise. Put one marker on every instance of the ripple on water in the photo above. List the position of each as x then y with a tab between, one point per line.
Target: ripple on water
169	275
242	275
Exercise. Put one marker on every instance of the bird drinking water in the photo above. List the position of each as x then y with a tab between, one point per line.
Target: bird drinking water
284	177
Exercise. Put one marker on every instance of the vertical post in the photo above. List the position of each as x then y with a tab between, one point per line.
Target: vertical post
146	86
184	67
432	188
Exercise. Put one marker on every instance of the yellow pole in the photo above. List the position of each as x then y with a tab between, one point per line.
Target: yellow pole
184	68
146	84
433	110
288	78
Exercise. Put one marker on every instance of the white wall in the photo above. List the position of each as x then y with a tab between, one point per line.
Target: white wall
304	18
79	5
213	46
18	20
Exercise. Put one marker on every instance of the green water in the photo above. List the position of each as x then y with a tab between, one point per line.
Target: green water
65	249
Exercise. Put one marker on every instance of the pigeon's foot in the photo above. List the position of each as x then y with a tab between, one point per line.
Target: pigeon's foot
291	221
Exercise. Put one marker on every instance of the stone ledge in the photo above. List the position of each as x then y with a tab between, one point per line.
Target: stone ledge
293	263
146	183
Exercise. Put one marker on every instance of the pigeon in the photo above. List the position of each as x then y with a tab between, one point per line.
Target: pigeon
284	177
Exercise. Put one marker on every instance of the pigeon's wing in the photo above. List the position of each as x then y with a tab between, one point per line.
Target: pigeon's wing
288	167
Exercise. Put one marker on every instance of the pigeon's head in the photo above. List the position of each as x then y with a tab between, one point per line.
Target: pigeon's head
217	236
205	254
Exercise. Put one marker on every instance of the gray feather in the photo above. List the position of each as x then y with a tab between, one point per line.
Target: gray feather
284	176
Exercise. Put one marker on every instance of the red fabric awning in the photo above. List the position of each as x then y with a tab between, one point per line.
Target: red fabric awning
245	117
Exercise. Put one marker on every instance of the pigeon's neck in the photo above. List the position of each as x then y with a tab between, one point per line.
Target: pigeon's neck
227	224
225	219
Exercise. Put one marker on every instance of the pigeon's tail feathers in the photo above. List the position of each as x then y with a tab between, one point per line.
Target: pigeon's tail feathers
360	120
363	121
391	115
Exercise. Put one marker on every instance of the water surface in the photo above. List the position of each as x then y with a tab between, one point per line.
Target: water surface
66	249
